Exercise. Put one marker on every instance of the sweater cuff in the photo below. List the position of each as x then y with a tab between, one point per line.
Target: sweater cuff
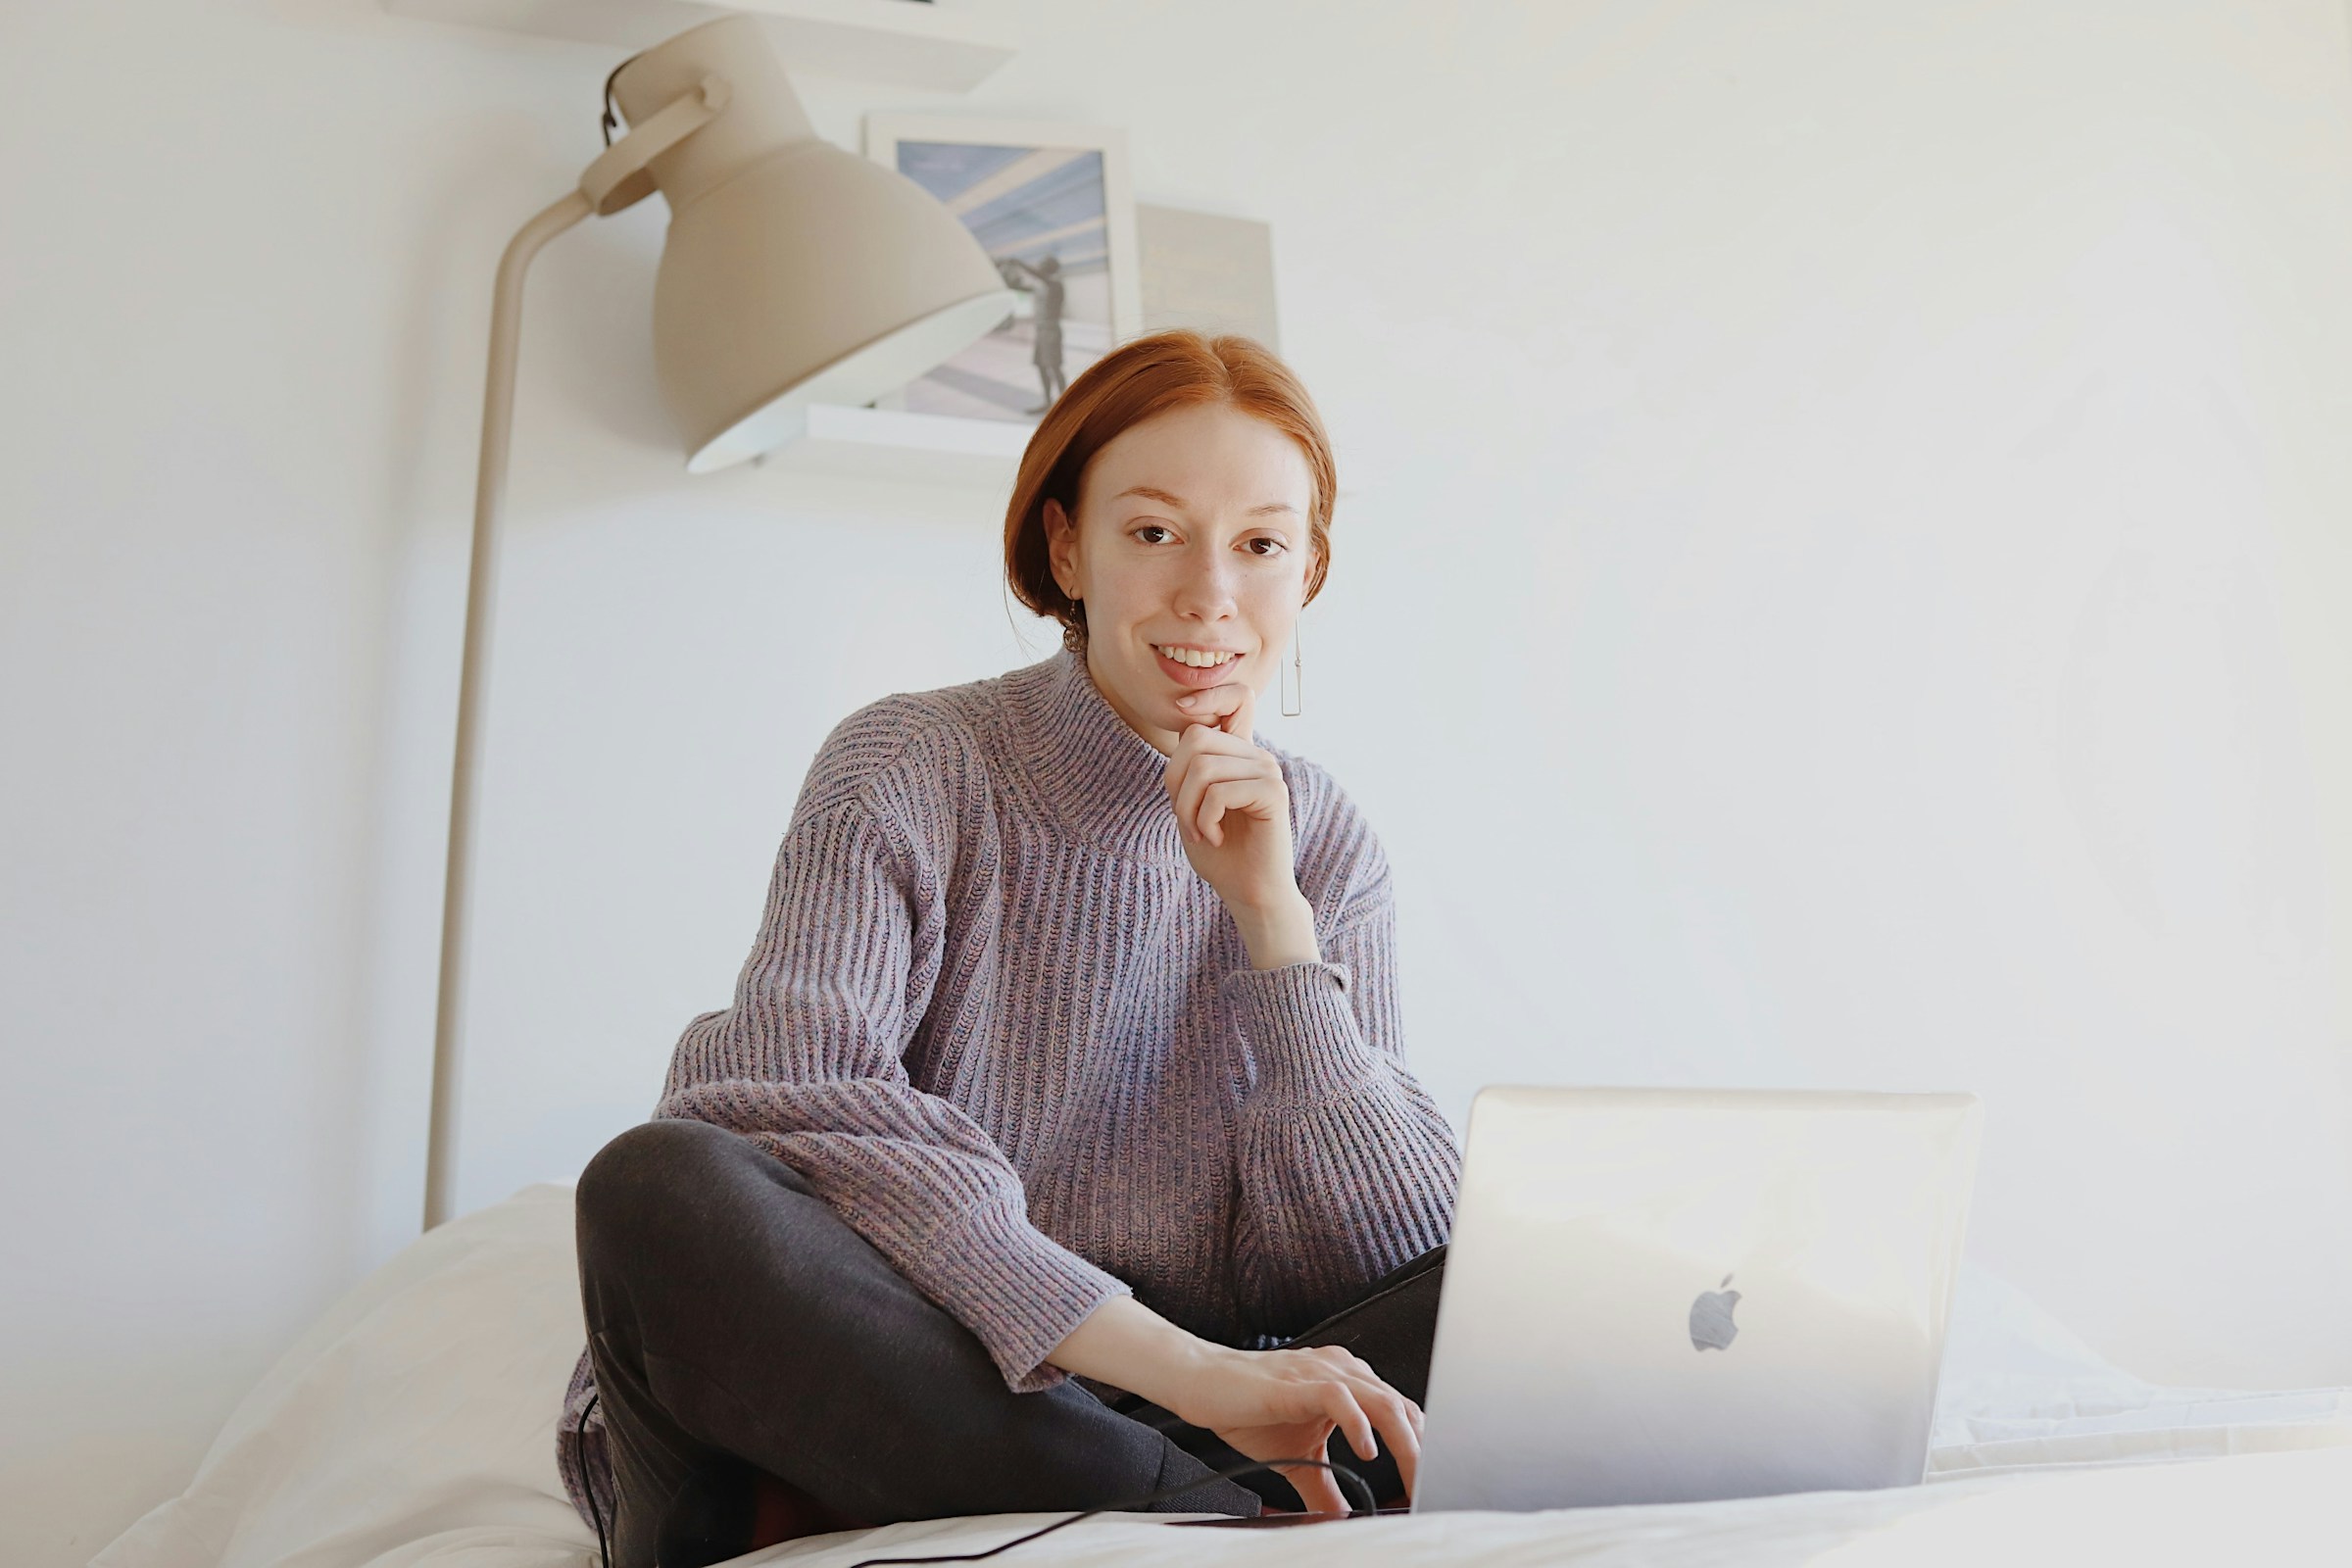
1018	1290
1301	1029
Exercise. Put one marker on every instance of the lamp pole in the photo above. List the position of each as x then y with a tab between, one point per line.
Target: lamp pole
465	780
614	181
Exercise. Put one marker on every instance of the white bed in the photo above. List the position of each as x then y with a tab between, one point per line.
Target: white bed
413	1424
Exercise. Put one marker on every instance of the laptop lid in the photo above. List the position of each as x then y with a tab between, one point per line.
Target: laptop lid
1665	1295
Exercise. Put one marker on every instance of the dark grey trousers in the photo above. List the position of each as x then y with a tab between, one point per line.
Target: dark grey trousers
737	1326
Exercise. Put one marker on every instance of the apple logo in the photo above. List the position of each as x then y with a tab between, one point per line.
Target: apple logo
1711	1325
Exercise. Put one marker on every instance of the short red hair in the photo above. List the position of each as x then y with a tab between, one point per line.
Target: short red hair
1138	380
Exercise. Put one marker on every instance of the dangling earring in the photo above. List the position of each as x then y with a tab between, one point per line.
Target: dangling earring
1293	696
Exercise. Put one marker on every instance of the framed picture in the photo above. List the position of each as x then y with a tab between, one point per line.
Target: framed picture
1050	205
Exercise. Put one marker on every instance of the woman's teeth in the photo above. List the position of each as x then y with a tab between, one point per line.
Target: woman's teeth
1193	657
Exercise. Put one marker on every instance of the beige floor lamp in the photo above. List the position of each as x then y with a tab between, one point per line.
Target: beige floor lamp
794	273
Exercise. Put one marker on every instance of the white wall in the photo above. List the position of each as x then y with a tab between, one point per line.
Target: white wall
1839	583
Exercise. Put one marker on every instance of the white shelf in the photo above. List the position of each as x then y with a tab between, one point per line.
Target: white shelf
900	43
917	448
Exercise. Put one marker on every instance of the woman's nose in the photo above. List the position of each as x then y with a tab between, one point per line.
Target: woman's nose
1207	590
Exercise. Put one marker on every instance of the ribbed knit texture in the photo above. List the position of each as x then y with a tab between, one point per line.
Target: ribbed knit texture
1005	1029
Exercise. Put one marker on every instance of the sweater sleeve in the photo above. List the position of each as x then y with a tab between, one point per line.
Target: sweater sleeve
807	1063
1347	1167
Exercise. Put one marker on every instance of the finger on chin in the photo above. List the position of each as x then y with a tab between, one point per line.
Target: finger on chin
1209	705
1243	716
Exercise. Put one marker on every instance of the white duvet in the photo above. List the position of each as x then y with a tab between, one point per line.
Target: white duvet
415	1424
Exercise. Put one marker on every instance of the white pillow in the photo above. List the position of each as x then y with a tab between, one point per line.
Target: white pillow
413	1423
2020	1390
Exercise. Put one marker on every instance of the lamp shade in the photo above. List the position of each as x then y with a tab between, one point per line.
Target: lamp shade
794	272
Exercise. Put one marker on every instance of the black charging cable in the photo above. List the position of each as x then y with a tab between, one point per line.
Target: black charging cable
610	120
1164	1492
1371	1505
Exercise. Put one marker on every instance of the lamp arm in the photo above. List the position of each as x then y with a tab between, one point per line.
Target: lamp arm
489	501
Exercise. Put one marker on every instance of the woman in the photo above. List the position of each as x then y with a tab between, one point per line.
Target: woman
1058	1146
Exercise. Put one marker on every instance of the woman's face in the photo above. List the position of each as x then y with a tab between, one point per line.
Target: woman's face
1190	539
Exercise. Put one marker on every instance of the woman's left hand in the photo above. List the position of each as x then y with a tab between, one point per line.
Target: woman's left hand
1233	812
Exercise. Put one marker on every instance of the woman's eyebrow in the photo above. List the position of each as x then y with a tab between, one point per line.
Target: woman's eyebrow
1149	493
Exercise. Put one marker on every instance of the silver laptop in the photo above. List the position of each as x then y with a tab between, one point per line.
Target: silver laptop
1666	1296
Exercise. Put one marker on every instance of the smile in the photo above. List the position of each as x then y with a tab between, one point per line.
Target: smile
1197	658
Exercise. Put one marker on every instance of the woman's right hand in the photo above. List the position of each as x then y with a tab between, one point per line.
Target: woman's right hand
1268	1404
1285	1405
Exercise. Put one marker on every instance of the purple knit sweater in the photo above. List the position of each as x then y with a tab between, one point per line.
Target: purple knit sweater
1001	1026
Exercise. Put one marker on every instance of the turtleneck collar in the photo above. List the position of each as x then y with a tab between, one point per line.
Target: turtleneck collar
1102	779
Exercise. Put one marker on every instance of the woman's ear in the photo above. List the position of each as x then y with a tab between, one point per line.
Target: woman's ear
1061	547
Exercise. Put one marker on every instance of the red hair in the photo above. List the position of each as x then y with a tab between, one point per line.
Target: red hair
1133	382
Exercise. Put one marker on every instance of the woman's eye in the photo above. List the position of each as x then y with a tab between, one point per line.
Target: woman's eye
1277	547
1149	528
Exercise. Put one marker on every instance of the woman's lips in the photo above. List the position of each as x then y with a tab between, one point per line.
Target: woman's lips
1192	677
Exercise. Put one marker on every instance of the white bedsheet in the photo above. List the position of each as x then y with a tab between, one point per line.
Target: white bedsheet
413	1424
